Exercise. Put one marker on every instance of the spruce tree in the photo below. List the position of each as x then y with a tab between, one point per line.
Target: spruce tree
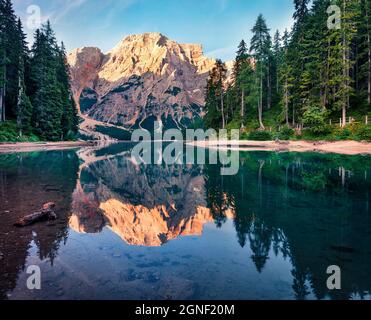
24	106
363	58
12	52
277	60
260	46
46	95
69	117
241	63
2	62
286	77
215	94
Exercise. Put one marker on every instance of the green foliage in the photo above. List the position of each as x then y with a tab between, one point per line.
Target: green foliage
9	132
342	134
354	131
286	133
315	117
24	113
362	132
260	136
215	97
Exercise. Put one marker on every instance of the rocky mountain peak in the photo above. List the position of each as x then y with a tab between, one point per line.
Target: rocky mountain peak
145	77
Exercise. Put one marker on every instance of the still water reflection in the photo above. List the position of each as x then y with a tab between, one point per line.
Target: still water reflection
185	232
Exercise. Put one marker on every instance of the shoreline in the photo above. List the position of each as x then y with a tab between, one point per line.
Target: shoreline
348	147
42	146
339	147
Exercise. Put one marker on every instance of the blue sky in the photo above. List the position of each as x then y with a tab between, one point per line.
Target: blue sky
218	25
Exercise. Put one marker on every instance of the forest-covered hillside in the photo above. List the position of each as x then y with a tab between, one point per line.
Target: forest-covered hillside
312	82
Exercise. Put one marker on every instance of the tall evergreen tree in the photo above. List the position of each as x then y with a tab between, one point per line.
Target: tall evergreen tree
363	58
241	63
69	116
13	51
260	46
2	61
215	93
277	60
24	106
46	95
348	33
286	77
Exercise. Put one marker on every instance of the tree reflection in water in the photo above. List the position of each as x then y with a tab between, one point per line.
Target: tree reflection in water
311	208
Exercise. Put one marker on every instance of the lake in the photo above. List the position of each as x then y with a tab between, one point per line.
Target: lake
128	231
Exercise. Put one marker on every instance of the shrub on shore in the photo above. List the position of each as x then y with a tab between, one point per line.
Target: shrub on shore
9	132
260	136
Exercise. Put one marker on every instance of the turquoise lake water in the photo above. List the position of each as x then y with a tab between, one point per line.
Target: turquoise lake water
184	231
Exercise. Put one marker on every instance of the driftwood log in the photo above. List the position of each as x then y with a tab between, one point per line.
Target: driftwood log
45	213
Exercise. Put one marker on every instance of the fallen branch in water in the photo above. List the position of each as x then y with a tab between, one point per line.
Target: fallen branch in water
45	213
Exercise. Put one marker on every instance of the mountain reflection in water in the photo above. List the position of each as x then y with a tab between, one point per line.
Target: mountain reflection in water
144	205
185	232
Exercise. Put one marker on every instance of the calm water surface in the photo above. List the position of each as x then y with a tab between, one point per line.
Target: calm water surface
185	232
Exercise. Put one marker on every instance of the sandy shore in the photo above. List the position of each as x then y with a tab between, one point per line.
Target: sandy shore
41	146
340	147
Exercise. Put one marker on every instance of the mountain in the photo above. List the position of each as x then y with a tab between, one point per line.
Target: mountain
146	77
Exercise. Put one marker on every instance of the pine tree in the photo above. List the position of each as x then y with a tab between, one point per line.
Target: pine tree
221	76
46	91
12	52
215	93
241	63
69	116
24	106
297	54
364	53
277	61
348	32
241	57
212	117
286	77
2	61
260	45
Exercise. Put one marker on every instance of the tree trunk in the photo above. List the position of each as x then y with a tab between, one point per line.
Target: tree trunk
3	91
222	107
261	101
327	75
269	102
369	58
242	107
19	111
45	213
344	98
1	104
286	103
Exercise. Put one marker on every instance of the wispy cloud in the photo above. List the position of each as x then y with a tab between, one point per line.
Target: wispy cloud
68	6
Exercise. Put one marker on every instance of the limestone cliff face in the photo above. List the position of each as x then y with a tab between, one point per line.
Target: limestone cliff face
144	78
